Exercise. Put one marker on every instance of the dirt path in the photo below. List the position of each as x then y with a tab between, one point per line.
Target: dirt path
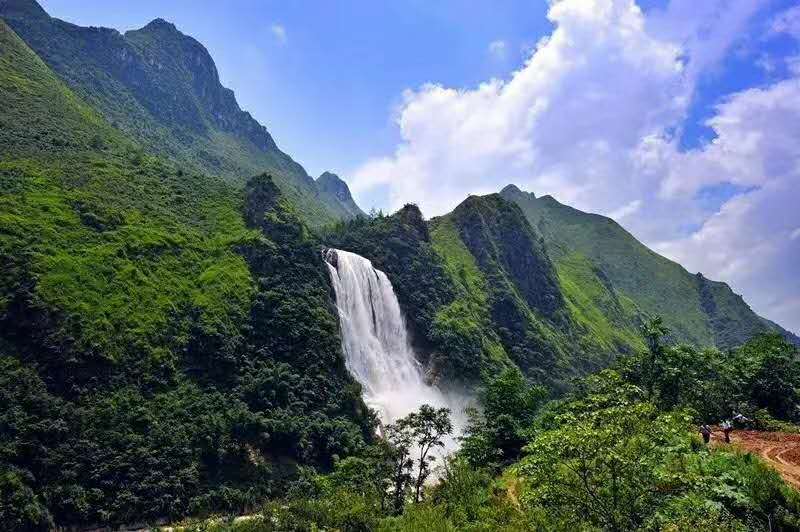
781	450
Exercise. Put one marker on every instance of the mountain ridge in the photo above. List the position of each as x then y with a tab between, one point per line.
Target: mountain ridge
161	87
170	342
707	313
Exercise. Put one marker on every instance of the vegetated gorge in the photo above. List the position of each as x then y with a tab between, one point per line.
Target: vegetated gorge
192	328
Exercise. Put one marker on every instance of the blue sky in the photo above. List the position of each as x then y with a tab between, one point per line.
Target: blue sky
678	118
326	93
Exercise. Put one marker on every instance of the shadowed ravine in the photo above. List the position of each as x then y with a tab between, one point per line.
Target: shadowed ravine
376	345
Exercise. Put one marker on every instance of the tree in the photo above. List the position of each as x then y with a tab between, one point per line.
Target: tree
654	332
495	436
604	468
400	441
774	383
425	430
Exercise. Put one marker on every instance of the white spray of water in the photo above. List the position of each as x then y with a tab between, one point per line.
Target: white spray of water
376	345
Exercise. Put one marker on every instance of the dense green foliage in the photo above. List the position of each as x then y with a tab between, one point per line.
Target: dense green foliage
162	89
760	379
615	454
158	357
500	428
590	251
608	459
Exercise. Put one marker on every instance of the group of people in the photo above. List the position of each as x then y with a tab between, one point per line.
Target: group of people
726	426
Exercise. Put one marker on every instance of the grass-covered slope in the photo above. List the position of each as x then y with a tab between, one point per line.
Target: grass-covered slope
161	88
87	217
508	282
159	353
588	249
523	298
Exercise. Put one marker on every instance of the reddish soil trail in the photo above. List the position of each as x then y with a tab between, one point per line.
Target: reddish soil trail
781	450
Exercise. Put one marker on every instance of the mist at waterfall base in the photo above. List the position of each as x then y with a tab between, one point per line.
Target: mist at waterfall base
377	348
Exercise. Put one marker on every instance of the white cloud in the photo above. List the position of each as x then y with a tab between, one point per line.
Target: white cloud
767	63
592	117
498	49
704	30
626	210
567	122
788	22
757	132
279	32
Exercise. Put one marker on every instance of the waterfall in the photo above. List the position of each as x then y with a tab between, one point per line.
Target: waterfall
376	346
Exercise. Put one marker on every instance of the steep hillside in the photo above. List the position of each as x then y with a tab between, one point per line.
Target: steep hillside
505	272
161	88
698	311
161	353
520	291
481	294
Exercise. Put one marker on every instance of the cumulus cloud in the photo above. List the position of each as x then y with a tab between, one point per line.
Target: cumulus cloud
756	142
566	122
279	32
594	116
498	48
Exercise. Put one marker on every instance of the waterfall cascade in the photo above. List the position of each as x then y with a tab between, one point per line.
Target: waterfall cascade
376	345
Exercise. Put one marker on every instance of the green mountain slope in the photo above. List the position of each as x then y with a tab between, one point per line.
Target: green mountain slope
161	88
511	280
481	294
520	290
160	353
698	311
542	321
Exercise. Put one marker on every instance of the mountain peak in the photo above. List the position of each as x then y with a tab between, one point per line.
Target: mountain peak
160	24
334	186
330	182
511	191
21	8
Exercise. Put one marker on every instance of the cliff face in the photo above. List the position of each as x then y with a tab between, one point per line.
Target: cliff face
162	88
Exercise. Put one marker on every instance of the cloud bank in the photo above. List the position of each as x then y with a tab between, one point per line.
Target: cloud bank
594	117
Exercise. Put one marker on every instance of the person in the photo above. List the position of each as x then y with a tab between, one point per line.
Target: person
740	420
705	431
727	427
